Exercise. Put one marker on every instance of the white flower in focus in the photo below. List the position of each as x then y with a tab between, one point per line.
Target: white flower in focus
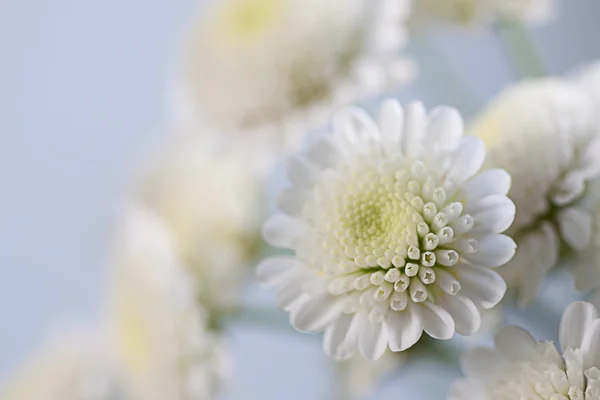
208	199
545	135
359	378
281	66
71	365
521	368
394	232
160	332
480	12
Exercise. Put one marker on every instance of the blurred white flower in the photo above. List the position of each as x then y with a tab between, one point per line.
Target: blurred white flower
280	66
394	232
160	332
544	133
73	364
208	199
359	378
480	12
521	368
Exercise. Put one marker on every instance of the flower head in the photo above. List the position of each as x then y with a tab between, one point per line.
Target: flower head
545	135
161	333
521	368
73	364
281	65
394	232
478	12
207	199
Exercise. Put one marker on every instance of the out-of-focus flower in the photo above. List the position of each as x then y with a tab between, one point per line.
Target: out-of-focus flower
480	12
280	66
160	332
73	364
521	368
208	199
394	232
359	378
545	135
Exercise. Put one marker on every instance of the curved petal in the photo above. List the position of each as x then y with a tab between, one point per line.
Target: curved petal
323	153
335	336
487	183
575	227
492	214
468	389
492	251
576	319
316	314
405	327
591	345
290	295
482	286
391	121
300	171
282	231
275	270
468	159
482	362
414	130
373	340
516	344
467	318
291	201
445	127
437	322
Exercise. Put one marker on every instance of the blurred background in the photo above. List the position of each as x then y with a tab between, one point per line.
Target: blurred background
83	91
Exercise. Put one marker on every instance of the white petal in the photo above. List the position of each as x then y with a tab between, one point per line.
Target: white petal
482	362
481	285
353	127
373	340
576	319
335	335
468	159
569	188
467	318
414	130
291	201
275	270
492	251
591	344
300	171
487	183
516	344
282	231
444	128
575	227
492	214
405	328
587	272
290	295
316	314
437	322
323	153
391	121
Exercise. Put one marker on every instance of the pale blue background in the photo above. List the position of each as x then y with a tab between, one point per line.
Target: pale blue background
82	87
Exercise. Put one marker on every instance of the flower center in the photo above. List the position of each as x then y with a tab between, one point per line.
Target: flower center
386	232
248	19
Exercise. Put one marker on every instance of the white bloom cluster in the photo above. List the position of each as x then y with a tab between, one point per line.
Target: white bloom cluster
394	232
282	66
480	12
545	134
521	368
208	200
164	347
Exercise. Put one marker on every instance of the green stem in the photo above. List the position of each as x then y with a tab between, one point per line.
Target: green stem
520	50
441	78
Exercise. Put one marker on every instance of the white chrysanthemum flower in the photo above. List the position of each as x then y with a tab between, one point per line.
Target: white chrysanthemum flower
479	12
281	65
544	133
160	331
521	368
394	232
208	199
72	365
